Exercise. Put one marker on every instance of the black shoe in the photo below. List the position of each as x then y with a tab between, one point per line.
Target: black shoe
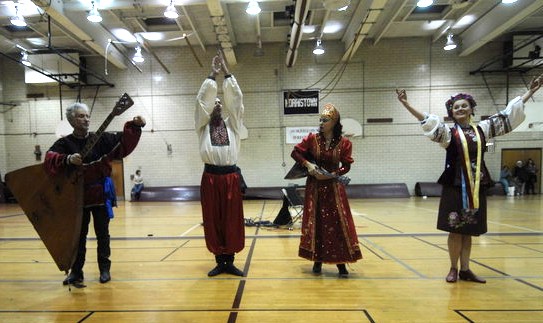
73	277
468	275
105	276
219	269
232	270
317	267
343	273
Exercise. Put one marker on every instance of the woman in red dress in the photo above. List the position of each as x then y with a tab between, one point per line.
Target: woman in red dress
328	231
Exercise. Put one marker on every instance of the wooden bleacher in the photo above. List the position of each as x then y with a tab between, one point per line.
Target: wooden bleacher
434	189
192	193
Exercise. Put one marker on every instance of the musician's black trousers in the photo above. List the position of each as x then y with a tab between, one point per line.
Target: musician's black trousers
100	220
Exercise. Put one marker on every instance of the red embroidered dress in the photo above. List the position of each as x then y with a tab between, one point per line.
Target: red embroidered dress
328	230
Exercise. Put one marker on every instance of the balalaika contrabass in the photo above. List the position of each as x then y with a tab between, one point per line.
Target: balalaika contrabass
54	204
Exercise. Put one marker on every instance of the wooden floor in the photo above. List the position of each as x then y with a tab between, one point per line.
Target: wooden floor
160	264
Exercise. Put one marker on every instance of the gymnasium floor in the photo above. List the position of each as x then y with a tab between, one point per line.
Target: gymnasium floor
160	265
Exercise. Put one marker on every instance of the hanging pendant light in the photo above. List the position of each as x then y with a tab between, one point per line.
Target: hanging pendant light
450	45
138	57
18	20
253	8
171	12
424	3
319	49
94	15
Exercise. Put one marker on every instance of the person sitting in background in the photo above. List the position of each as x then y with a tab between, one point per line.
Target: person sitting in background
138	186
505	177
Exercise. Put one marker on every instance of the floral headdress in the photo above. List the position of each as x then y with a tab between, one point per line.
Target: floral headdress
460	96
330	111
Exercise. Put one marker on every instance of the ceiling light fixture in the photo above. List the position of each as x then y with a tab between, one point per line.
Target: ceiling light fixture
171	12
509	1
253	8
94	15
424	3
450	45
24	59
319	49
336	5
138	57
18	20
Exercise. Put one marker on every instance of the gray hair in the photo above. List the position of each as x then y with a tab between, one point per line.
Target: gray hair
70	110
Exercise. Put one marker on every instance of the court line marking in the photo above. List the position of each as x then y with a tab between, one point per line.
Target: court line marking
514	226
189	230
405	265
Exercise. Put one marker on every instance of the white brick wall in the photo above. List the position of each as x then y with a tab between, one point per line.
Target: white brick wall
3	163
385	153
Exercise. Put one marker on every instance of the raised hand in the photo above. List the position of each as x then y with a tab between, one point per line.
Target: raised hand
536	83
139	121
223	62
402	96
216	65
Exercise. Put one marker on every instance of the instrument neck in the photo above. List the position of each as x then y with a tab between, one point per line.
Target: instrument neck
94	139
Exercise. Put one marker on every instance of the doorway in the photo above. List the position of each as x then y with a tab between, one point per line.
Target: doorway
117	175
511	156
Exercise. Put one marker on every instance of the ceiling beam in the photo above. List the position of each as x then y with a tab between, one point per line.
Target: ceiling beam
83	30
396	10
500	19
194	31
366	17
222	31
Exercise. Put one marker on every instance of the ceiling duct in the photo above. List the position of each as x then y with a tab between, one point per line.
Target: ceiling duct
52	65
300	13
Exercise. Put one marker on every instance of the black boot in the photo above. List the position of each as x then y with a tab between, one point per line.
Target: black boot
230	268
343	273
103	254
220	268
105	276
317	267
75	277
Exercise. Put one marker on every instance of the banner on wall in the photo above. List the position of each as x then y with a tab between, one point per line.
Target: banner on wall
295	135
301	101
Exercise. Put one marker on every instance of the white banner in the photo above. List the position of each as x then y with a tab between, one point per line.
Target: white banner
295	135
